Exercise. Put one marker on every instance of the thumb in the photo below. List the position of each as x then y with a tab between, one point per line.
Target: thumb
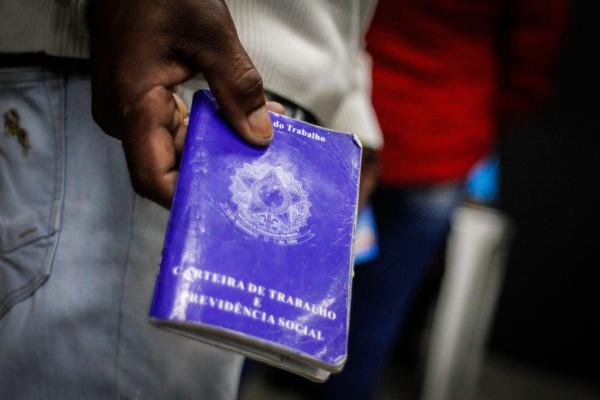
238	88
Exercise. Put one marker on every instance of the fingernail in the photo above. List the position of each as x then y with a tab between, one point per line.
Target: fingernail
261	124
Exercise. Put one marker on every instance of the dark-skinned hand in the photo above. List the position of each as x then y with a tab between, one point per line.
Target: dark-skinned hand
140	51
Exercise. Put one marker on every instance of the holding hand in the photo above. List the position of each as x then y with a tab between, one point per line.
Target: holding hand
140	51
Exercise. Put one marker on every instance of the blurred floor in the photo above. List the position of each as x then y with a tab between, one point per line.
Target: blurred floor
504	379
501	379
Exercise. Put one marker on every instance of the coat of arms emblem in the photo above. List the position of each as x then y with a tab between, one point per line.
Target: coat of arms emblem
271	203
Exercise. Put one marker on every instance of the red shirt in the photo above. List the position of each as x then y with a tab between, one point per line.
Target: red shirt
444	71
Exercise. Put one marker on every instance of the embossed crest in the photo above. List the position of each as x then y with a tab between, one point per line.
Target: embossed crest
271	203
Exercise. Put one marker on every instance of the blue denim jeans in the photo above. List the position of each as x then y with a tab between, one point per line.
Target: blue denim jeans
412	225
78	256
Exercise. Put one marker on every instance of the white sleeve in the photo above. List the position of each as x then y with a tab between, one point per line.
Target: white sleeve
79	8
355	113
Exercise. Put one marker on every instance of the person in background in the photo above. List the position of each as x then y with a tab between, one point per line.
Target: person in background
448	76
80	229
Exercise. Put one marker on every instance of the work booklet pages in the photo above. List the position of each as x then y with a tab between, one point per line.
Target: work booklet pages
258	251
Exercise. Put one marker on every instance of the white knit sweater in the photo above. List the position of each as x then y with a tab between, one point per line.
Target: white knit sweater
309	51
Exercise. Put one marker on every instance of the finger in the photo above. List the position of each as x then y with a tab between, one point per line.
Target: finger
114	94
238	88
152	124
181	109
182	121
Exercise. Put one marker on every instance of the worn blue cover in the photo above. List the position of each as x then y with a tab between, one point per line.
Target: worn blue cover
259	243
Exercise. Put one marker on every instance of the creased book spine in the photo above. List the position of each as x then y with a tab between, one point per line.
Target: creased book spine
258	251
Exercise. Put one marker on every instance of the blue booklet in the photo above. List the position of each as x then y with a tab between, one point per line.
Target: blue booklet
258	252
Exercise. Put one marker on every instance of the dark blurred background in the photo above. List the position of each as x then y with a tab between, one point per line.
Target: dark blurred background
547	316
548	309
